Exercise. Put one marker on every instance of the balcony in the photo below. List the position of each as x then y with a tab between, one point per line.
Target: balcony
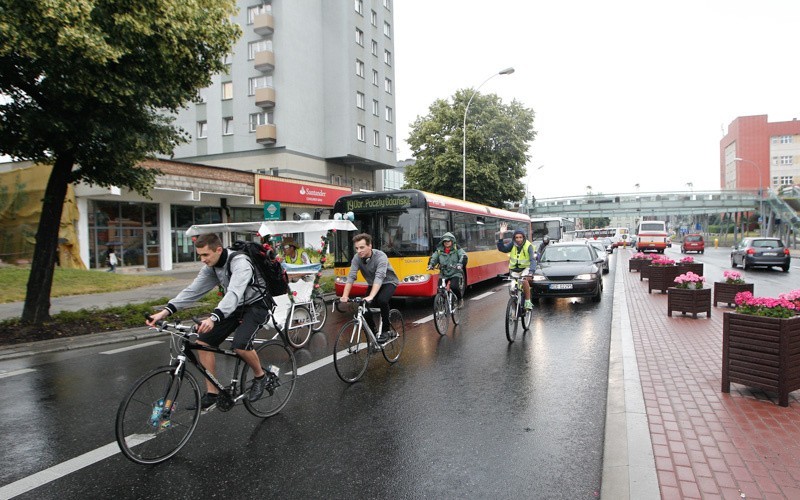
265	97
264	24
266	134
264	61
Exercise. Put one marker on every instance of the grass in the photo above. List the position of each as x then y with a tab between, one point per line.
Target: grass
14	282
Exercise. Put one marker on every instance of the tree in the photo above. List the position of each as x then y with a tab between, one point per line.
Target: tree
497	144
596	222
89	86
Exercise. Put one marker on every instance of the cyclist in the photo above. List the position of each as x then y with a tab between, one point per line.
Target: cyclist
521	258
381	280
450	258
242	310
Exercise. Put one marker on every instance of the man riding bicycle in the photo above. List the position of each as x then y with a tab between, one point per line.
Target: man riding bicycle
381	279
242	310
521	258
450	258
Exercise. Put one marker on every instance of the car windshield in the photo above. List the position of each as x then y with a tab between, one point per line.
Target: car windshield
767	244
694	238
567	254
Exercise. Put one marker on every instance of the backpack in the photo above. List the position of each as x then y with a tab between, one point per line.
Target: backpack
266	265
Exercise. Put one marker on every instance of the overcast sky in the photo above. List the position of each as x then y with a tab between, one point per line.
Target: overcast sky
624	91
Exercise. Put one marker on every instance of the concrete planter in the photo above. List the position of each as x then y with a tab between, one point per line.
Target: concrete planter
725	292
761	352
689	301
661	277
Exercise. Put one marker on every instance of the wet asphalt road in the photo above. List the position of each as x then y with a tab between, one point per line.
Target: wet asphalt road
462	416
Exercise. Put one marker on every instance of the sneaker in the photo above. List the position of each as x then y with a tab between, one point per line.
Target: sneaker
383	337
257	389
528	304
208	400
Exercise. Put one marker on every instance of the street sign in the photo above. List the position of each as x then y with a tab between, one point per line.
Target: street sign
272	210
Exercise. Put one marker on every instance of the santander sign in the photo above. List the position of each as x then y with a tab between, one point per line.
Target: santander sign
296	192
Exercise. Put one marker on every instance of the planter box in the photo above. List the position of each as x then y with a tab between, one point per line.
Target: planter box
636	264
661	278
695	267
761	352
644	270
689	301
724	292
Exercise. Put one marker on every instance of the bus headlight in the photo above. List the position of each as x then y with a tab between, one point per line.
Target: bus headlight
341	279
417	278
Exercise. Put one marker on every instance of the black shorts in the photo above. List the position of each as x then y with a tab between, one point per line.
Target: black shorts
244	322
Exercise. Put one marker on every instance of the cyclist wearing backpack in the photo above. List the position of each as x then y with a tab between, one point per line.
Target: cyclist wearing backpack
450	258
242	310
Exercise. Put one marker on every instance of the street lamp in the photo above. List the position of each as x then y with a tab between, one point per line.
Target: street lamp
760	193
506	71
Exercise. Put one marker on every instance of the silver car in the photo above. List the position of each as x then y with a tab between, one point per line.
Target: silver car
602	253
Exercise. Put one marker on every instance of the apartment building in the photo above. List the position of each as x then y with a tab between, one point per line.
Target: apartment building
758	154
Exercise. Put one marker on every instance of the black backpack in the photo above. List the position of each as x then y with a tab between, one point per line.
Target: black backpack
266	265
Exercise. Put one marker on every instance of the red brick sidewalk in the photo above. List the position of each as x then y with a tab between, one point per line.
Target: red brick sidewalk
707	444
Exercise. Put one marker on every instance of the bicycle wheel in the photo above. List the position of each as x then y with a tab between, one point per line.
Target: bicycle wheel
274	356
393	348
511	320
527	314
154	420
298	326
456	312
351	352
320	312
440	314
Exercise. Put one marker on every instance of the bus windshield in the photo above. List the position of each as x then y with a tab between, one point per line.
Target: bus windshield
398	233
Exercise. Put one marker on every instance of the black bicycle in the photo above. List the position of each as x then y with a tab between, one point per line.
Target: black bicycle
158	415
445	306
515	309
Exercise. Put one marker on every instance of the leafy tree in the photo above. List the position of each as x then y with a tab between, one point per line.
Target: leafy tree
89	85
497	144
596	222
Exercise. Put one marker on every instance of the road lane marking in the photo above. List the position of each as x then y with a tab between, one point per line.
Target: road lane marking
130	348
424	320
16	372
483	295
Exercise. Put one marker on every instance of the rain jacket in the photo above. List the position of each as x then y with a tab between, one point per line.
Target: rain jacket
520	257
448	260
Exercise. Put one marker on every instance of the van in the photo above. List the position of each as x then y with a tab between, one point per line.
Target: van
693	243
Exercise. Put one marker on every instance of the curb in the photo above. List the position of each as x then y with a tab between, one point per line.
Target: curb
82	341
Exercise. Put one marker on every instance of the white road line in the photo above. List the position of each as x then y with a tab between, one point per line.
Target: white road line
130	348
16	372
424	320
483	295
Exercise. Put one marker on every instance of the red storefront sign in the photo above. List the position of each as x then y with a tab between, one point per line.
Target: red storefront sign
298	192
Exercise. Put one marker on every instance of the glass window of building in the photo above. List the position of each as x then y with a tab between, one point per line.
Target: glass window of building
202	130
227	125
227	91
130	228
389	114
376	138
387	57
359	37
375	77
360	68
258	46
257	82
359	6
375	48
389	143
255	10
257	119
387	85
375	107
359	100
387	29
361	132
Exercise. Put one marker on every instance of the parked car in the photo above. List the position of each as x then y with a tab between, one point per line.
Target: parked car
767	252
693	243
610	245
602	252
568	270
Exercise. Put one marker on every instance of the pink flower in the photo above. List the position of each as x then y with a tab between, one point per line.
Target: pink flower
687	260
766	306
690	280
733	277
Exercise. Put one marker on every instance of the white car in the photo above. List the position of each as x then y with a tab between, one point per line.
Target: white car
602	253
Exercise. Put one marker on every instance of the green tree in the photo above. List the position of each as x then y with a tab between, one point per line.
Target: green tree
498	137
89	86
596	222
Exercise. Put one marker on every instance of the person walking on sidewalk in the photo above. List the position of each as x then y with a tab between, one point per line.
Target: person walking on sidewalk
521	258
242	310
451	258
112	260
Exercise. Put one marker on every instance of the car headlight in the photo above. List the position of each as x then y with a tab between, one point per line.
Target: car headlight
539	277
417	278
587	277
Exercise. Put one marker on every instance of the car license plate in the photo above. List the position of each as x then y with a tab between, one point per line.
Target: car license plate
561	286
771	254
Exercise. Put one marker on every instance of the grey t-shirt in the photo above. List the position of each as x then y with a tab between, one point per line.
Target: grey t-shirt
376	269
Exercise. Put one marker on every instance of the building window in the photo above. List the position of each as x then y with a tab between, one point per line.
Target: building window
386	3
359	5
375	107
387	57
389	143
786	160
374	18
359	100
375	77
255	10
336	180
359	37
387	29
227	59
360	68
259	46
361	132
227	91
389	114
202	130
376	138
202	95
227	125
257	119
375	48
786	180
257	82
387	86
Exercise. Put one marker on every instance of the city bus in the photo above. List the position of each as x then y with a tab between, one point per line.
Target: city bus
652	235
408	224
557	228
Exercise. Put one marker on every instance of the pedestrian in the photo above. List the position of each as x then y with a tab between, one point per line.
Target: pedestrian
112	260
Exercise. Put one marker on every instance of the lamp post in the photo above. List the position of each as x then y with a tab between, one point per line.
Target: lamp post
506	71
760	193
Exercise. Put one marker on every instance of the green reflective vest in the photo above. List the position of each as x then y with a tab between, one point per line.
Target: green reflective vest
520	258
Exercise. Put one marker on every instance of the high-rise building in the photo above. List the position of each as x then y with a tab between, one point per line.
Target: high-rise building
308	95
756	154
